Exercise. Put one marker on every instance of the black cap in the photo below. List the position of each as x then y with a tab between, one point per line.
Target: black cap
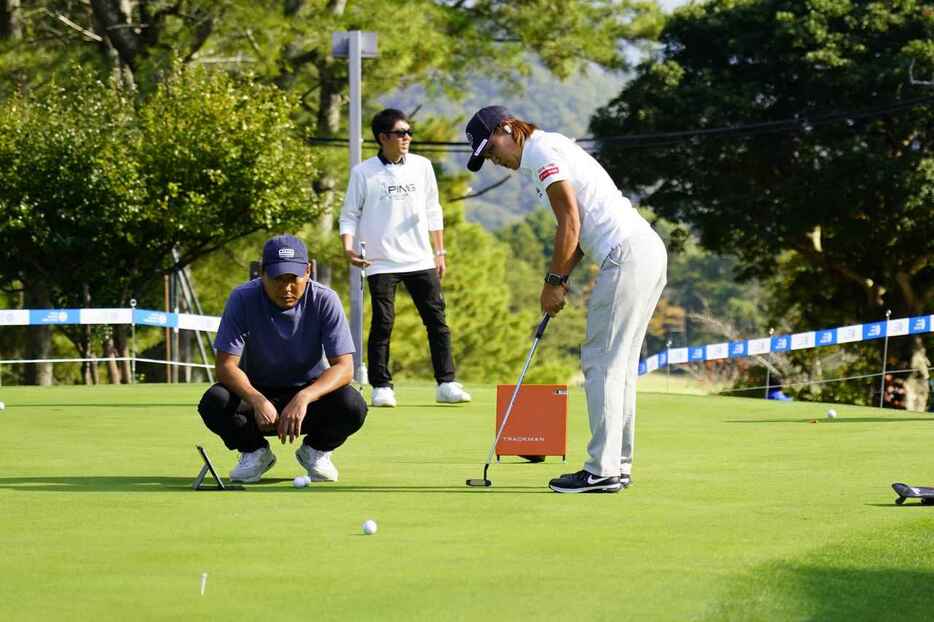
479	129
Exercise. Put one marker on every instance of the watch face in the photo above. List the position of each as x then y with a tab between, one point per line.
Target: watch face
553	279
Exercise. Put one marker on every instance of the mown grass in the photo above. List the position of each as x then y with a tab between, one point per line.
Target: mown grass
741	509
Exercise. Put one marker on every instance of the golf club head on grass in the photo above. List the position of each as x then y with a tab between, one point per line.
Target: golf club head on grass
484	482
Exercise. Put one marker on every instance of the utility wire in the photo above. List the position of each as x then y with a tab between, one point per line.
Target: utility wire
799	123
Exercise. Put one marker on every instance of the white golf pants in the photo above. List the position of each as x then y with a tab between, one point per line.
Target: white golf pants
628	287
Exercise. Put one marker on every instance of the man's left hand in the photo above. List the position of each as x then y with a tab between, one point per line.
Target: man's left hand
553	299
290	420
440	266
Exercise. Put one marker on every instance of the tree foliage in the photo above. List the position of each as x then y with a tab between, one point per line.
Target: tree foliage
823	180
97	191
852	197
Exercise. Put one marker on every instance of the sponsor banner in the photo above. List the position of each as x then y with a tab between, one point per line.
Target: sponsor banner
14	317
651	363
53	316
677	355
800	341
759	346
206	323
873	330
849	334
717	351
897	327
105	316
149	317
827	337
797	341
920	324
641	367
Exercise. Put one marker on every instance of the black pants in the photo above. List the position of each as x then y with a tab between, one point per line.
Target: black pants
327	423
425	289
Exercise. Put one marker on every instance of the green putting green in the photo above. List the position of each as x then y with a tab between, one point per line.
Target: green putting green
741	509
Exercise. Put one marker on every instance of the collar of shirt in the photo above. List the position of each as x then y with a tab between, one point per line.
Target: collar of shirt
386	161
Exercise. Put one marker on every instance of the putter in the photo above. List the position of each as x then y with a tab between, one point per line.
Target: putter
489	459
361	374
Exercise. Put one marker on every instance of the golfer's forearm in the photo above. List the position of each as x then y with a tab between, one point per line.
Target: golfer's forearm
567	237
332	379
566	240
347	241
236	381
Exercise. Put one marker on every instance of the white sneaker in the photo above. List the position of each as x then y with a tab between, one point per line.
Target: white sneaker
317	463
451	393
252	465
383	396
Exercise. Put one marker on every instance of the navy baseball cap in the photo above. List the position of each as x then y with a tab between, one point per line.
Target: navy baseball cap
285	254
479	129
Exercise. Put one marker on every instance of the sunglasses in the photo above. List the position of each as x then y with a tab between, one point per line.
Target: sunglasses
400	133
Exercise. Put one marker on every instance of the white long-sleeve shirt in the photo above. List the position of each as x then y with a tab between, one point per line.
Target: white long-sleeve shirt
392	207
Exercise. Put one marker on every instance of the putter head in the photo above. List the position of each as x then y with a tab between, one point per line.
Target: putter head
480	482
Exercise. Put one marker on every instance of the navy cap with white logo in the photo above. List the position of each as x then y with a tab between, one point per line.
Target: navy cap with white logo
285	254
479	129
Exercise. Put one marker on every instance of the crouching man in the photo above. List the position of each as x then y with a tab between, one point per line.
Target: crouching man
271	379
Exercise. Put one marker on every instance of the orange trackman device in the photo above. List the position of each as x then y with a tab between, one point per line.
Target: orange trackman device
537	425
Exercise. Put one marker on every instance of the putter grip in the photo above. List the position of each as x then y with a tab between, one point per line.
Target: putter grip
541	326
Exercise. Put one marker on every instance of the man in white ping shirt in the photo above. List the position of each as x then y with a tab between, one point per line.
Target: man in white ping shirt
392	205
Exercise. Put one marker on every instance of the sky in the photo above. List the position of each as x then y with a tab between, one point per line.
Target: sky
668	5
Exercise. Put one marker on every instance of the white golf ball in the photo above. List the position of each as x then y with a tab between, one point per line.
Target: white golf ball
301	481
370	527
2	406
831	414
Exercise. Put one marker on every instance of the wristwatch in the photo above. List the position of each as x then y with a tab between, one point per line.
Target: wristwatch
556	279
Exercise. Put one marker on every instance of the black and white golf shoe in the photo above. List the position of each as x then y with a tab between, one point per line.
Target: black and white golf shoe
585	481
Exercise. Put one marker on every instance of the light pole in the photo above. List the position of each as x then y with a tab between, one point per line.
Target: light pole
355	46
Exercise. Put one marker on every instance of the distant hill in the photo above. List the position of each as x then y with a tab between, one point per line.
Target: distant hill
551	104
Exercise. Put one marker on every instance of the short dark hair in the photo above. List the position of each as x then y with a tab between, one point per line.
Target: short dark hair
385	120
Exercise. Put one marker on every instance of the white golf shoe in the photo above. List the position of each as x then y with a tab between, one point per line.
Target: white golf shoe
451	393
383	396
252	465
317	463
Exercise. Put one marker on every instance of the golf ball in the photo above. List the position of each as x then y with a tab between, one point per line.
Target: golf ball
301	481
370	527
831	414
2	406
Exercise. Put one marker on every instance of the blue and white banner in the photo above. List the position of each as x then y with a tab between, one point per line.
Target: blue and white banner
674	356
140	317
786	343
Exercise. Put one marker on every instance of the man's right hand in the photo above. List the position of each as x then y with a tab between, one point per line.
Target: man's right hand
264	413
355	259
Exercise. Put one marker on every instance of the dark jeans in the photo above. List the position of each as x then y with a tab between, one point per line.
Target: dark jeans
327	423
425	289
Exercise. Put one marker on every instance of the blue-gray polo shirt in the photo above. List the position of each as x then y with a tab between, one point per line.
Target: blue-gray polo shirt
283	347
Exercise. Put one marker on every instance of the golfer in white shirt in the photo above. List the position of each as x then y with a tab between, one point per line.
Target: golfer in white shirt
596	220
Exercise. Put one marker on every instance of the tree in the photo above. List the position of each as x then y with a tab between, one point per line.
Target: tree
828	164
97	192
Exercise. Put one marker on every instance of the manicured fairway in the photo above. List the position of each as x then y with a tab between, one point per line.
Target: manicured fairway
741	509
